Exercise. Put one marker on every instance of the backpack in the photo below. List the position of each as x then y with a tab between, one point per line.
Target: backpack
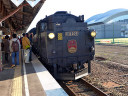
15	46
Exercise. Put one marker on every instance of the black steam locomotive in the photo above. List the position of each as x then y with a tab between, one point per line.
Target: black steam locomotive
65	44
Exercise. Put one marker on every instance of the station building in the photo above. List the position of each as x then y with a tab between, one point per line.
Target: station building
111	24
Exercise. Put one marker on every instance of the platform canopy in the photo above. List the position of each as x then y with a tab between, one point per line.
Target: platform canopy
22	16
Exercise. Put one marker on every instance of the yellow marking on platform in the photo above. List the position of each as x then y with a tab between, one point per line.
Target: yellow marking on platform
17	82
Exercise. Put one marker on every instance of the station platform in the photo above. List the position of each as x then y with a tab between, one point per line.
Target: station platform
31	79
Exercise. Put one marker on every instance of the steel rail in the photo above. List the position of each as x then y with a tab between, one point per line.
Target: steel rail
69	91
98	91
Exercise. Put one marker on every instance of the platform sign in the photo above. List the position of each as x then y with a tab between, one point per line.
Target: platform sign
17	2
32	2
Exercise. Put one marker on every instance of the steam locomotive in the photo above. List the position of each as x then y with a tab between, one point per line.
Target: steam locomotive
65	45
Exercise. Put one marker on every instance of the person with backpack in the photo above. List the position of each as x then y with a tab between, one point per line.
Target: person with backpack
14	49
26	47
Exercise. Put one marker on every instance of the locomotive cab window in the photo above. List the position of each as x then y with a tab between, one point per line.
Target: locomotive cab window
50	26
43	27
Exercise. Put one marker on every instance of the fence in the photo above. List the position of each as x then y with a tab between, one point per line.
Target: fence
113	41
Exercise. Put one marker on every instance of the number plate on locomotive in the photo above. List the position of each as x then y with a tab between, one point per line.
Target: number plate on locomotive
73	33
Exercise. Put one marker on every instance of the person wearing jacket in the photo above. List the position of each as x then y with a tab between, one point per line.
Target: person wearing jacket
14	54
26	47
6	47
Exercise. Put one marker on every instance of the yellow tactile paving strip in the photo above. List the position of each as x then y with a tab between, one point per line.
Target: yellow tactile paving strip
17	80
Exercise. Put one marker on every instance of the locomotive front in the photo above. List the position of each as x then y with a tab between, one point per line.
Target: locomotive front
69	45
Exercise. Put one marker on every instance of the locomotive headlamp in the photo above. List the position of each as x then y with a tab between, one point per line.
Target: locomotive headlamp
93	33
51	35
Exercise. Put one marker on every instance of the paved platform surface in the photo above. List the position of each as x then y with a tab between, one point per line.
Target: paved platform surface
30	79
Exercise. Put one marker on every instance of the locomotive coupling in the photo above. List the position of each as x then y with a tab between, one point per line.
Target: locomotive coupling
75	66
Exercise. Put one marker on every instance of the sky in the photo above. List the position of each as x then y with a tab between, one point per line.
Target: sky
87	8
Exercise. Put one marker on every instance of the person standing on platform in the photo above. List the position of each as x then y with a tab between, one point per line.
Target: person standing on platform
26	47
2	44
28	36
6	47
14	49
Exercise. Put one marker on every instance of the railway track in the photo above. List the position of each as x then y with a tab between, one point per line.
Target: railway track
81	88
102	59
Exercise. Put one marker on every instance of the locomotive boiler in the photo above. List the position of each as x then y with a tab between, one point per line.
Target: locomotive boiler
65	45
